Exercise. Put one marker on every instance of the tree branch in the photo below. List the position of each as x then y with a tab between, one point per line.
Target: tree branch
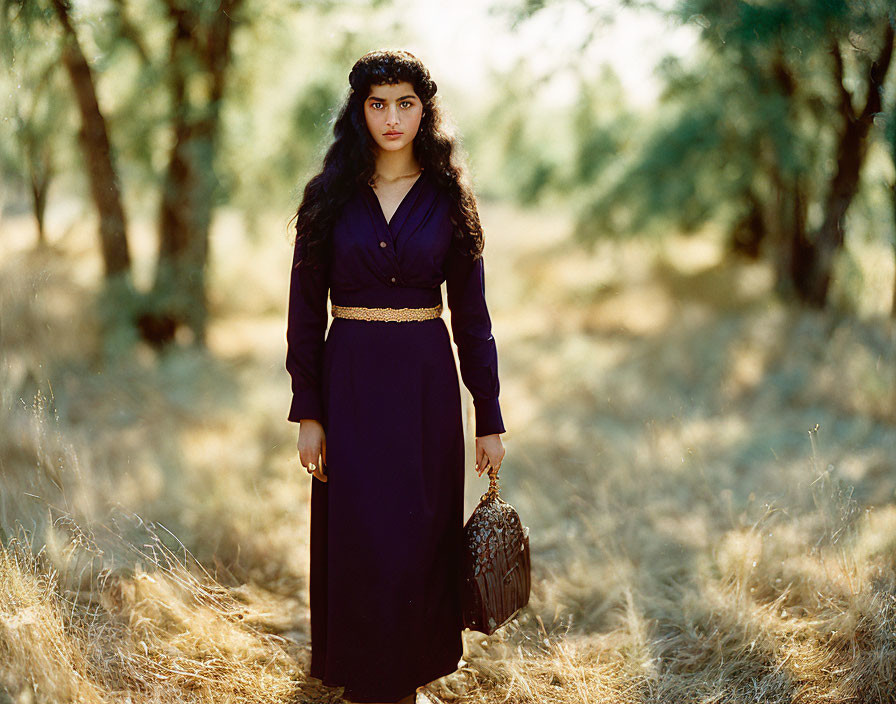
844	104
877	72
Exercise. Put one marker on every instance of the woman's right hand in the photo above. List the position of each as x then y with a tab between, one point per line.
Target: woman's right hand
312	446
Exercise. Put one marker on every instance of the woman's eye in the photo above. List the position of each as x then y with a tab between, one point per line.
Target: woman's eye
377	104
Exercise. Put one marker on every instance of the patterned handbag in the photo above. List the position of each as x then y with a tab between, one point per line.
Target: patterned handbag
496	578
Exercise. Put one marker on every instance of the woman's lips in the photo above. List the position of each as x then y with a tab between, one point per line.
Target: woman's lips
394	134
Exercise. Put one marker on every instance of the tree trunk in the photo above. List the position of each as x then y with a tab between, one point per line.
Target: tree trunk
786	211
94	140
190	181
749	232
785	219
812	272
39	175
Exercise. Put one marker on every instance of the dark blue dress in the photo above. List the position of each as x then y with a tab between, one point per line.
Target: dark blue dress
386	528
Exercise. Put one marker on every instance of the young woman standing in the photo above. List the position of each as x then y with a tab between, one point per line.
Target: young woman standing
385	222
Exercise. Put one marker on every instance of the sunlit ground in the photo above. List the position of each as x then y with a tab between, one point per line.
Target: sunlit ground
708	477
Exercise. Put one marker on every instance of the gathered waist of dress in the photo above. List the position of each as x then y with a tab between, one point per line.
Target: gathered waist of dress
386	297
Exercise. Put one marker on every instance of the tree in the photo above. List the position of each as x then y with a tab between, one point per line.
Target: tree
176	57
199	49
791	55
750	129
36	104
813	257
199	57
97	151
32	51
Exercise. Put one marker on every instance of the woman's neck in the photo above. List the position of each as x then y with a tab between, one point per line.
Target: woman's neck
394	165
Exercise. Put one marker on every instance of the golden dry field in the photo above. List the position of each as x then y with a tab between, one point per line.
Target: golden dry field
707	474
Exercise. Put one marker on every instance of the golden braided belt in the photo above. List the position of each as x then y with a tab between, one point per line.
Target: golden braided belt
389	314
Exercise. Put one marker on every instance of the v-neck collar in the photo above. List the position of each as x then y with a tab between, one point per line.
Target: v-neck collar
398	211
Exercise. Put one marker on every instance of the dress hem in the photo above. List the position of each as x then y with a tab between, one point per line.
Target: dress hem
432	676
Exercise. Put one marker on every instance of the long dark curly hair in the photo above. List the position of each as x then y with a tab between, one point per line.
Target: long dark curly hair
350	160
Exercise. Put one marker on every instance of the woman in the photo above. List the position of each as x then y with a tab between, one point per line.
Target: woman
385	222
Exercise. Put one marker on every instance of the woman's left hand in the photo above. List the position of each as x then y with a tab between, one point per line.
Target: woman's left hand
489	452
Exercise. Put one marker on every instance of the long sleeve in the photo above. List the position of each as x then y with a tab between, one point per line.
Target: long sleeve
305	330
471	328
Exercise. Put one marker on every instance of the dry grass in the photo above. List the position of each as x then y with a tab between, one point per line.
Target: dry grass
708	477
158	635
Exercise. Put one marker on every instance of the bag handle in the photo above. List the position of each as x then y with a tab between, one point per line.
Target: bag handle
492	490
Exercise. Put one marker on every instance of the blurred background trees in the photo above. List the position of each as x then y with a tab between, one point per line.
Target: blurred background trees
767	131
148	84
35	101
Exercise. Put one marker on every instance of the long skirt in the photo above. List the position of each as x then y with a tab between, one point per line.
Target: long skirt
387	526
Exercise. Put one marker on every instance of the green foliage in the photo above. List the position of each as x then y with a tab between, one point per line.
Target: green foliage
699	153
36	121
288	74
531	148
598	124
755	111
889	121
285	92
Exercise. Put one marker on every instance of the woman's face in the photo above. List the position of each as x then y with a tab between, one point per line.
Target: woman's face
393	114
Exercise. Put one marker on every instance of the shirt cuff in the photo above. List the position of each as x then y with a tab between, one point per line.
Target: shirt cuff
306	404
488	416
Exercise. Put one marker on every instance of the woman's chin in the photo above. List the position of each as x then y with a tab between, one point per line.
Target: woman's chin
393	146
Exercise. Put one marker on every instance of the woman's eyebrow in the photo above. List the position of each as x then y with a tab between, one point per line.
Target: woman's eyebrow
383	100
